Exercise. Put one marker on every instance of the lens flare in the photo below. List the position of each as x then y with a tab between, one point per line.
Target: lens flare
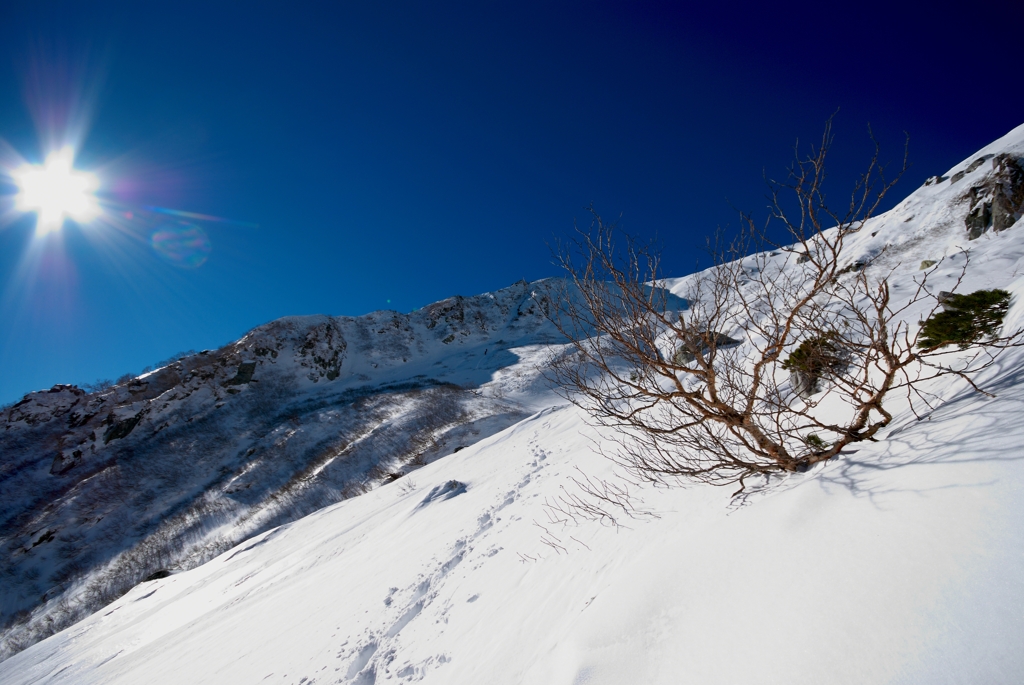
55	191
183	245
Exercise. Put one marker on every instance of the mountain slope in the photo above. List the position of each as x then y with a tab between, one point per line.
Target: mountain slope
900	562
158	475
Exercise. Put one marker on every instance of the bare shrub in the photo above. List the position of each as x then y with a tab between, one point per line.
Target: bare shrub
98	385
704	393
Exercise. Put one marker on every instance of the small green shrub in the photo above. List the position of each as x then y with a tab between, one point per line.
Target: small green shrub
818	357
815	442
967	319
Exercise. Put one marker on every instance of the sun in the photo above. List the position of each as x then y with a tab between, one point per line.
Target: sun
55	191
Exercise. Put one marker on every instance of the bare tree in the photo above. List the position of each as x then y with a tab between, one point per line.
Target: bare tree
780	357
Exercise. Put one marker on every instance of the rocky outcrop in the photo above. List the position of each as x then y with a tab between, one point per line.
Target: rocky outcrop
971	168
322	351
854	268
998	201
121	428
64	462
449	311
42	407
703	343
246	370
156	383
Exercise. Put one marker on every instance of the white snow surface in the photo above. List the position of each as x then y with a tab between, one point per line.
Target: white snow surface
899	562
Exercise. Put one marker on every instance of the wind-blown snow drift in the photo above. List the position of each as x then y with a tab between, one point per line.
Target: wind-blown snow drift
902	562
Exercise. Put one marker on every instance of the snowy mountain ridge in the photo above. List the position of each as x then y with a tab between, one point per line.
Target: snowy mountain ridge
99	491
899	562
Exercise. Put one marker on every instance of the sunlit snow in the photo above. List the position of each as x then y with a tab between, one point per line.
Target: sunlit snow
899	562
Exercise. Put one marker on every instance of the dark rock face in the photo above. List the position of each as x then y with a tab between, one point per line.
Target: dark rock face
121	429
1008	198
244	375
156	383
62	463
979	218
998	202
321	352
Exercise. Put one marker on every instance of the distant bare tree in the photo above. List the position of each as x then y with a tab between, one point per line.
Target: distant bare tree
771	368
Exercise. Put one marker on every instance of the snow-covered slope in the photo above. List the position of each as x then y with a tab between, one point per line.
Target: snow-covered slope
101	491
901	562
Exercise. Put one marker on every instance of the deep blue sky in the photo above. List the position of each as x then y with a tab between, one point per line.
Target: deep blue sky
413	151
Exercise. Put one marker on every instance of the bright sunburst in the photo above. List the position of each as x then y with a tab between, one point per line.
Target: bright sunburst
56	191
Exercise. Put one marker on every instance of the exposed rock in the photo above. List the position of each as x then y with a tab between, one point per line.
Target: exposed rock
62	463
156	383
804	384
449	311
855	267
40	407
121	429
973	166
322	351
48	536
943	297
928	263
703	342
997	203
979	217
932	180
244	375
1008	199
534	306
